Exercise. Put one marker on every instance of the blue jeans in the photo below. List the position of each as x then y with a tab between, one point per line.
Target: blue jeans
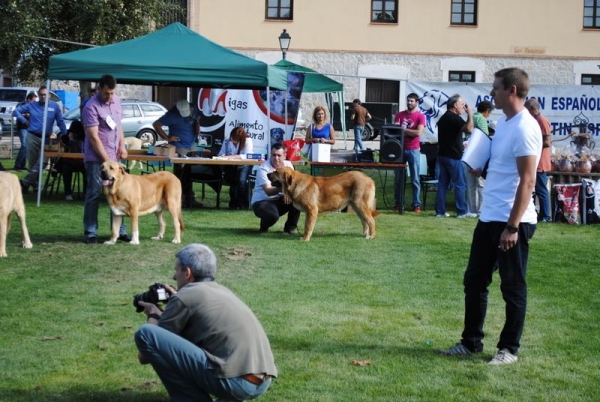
358	144
485	257
186	372
22	155
413	159
451	170
93	195
541	190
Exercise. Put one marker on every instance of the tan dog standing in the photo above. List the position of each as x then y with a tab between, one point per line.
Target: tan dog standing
315	195
11	199
135	196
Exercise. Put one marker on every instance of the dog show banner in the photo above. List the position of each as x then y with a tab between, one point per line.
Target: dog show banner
570	108
222	110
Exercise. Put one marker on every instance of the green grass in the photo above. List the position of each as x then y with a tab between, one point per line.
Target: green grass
67	327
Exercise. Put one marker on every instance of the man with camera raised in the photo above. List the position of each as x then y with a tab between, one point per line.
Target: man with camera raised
206	341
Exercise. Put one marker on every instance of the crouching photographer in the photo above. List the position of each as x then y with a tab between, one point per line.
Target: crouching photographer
206	341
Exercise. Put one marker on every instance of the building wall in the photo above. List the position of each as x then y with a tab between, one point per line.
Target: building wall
549	28
336	37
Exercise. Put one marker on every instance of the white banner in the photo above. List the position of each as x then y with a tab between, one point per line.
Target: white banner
568	107
222	110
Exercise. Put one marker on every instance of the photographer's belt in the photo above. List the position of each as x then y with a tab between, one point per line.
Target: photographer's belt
256	380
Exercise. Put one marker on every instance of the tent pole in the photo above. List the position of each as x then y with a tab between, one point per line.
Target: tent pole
341	105
44	124
269	145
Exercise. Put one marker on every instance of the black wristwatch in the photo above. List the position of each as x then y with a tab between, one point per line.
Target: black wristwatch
512	229
155	316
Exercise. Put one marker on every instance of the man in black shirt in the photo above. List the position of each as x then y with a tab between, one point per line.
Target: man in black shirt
450	142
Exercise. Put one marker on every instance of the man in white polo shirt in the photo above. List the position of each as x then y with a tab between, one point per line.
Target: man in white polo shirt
507	222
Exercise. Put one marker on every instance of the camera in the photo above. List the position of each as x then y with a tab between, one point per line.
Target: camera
155	294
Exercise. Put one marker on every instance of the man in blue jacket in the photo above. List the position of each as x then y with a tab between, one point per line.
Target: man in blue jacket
35	126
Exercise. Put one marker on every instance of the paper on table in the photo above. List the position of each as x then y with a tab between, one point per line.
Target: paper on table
478	150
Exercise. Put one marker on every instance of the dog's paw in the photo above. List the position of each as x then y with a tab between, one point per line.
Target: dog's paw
135	242
110	242
27	245
3	254
175	241
156	238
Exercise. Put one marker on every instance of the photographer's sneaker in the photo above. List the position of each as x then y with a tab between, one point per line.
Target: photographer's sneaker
503	357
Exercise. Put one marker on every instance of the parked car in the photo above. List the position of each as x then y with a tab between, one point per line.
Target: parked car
10	97
138	116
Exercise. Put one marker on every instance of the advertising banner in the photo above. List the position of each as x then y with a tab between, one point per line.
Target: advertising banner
222	110
570	108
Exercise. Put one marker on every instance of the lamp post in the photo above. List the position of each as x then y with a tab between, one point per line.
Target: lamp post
284	42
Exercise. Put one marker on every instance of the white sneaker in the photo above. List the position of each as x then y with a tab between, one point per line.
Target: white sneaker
503	357
467	215
442	215
69	197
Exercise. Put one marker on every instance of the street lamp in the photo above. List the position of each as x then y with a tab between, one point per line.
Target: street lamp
284	42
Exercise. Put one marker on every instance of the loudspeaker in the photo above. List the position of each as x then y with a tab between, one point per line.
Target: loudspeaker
391	149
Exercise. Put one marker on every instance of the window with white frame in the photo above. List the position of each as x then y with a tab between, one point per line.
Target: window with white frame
461	76
590	79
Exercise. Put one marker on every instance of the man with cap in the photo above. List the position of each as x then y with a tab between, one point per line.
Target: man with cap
184	127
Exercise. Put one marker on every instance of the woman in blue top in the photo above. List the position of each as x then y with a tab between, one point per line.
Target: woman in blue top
320	131
237	146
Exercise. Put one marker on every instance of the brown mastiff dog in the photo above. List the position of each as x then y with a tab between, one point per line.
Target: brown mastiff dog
314	195
135	196
11	200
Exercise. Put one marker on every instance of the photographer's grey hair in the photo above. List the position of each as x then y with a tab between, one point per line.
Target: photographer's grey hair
200	259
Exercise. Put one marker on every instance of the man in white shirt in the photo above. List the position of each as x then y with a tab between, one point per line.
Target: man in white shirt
268	202
507	222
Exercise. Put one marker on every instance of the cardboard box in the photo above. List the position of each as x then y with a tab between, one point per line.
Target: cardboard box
165	150
321	152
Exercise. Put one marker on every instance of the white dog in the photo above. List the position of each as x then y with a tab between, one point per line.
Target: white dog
11	200
134	144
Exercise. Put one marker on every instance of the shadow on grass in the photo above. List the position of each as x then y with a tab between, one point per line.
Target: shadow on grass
413	351
77	394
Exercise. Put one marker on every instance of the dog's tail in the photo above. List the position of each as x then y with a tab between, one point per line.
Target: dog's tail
374	213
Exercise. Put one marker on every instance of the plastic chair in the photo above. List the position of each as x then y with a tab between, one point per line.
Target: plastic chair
428	183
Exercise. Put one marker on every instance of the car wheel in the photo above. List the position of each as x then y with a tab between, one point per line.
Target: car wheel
366	134
147	136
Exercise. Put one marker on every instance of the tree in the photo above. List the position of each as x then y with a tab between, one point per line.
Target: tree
93	22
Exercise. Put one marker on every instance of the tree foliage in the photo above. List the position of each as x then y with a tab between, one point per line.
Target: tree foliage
94	22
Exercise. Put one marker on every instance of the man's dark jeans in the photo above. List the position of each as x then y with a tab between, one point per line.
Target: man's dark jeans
485	258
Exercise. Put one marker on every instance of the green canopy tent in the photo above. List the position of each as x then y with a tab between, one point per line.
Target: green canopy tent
172	56
317	82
